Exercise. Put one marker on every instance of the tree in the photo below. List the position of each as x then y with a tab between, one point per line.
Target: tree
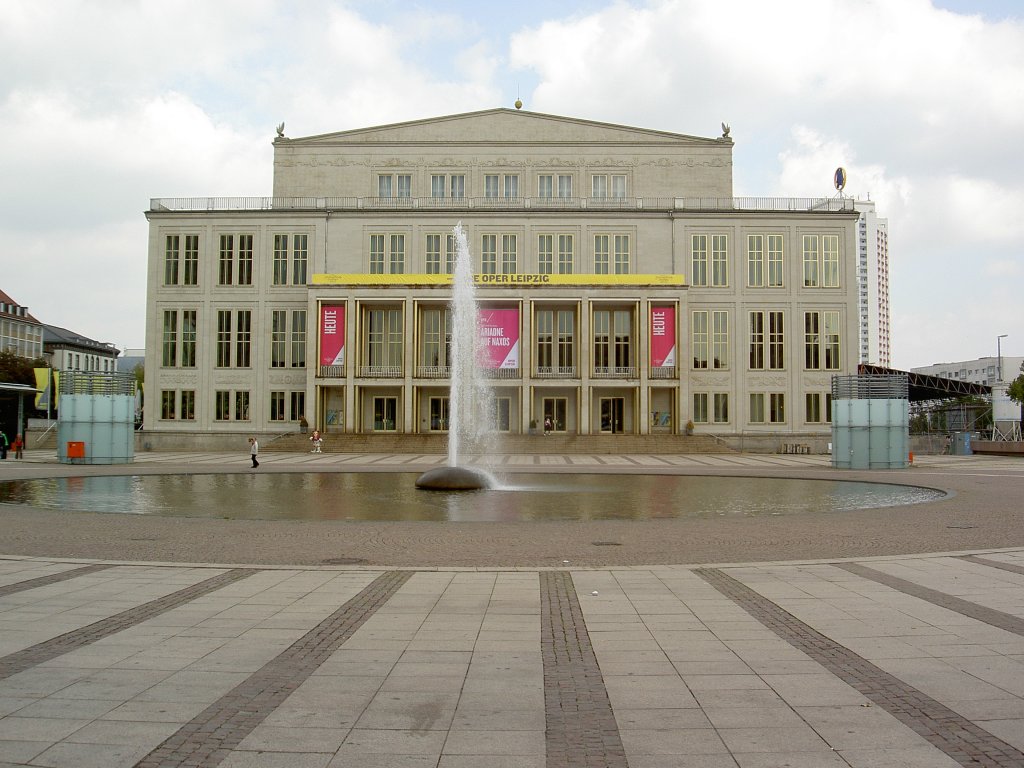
15	369
1016	391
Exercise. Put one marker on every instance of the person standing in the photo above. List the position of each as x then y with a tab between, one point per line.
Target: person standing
3	444
254	448
19	445
317	440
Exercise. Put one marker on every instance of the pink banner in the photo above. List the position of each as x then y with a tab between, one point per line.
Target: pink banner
332	334
663	337
499	336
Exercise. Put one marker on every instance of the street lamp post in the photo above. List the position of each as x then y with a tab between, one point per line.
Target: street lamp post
999	355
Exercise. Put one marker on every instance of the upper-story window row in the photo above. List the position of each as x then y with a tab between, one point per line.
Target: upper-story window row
502	184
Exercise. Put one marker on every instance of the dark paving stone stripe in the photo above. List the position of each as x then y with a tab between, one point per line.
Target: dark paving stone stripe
991	616
581	728
208	738
956	736
70	641
53	578
994	564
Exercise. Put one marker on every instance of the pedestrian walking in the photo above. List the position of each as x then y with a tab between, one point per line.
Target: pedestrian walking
254	448
547	425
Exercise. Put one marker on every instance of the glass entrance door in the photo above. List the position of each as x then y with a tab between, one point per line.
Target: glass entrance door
612	414
439	414
555	409
385	413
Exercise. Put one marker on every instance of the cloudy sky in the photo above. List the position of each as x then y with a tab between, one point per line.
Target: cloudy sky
105	104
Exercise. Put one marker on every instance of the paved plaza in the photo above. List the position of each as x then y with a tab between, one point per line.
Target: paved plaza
887	637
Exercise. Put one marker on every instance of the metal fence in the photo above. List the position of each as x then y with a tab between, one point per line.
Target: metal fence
871	387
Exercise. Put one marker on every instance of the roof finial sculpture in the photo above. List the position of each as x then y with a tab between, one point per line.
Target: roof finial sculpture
725	130
280	130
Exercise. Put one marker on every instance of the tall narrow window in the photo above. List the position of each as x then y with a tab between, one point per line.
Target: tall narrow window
509	258
756	415
188	405
191	260
437	185
812	341
776	341
241	406
602	341
169	345
720	339
622	254
280	259
223	338
436	338
167	402
376	254
719	260
384	186
172	258
545	320
491	185
757	341
226	261
810	261
298	338
300	258
243	338
699	339
812	407
433	254
278	338
404	185
721	403
222	405
397	256
277	406
565	254
188	338
458	185
777	407
450	250
511	185
601	253
545	253
298	406
566	339
599	186
755	261
618	186
830	329
489	255
564	185
830	261
775	261
700	407
699	260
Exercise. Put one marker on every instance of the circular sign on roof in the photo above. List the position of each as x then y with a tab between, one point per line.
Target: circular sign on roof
840	178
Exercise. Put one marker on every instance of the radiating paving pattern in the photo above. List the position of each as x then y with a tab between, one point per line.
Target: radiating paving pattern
53	578
910	662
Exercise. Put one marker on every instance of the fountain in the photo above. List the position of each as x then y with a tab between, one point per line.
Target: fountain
470	399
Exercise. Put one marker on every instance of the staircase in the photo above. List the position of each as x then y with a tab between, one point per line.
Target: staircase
505	444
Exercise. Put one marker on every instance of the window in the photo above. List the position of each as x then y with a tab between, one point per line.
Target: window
509	258
489	254
699	260
385	414
278	335
556	342
235	249
565	254
188	405
384	338
613	332
388	185
813	411
604	186
436	337
700	407
183	263
438	410
564	186
277	406
777	408
756	408
545	253
719	260
241	406
601	245
188	338
510	185
169	343
710	339
491	185
433	254
167	403
566	244
222	405
298	338
545	186
821	261
243	338
721	412
766	335
223	338
456	185
298	406
387	254
821	341
762	249
298	254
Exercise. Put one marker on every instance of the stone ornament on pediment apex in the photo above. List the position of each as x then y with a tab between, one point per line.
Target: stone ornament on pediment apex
503	162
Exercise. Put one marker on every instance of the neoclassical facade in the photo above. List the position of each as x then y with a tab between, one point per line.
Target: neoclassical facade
622	287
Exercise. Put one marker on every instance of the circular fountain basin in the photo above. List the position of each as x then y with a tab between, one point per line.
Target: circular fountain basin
454	479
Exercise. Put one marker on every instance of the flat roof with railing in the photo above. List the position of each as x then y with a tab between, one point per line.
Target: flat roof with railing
709	204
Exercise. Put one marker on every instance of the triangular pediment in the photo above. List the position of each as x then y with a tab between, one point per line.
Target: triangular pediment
501	126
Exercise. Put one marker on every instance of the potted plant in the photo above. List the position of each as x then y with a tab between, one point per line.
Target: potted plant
689	427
